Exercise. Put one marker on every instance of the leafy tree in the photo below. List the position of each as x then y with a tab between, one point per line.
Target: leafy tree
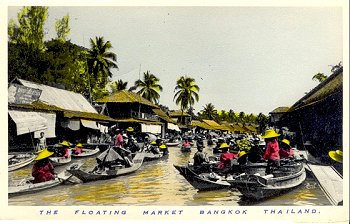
231	116
62	28
209	112
241	116
262	121
30	30
118	85
100	61
186	92
336	67
149	87
319	77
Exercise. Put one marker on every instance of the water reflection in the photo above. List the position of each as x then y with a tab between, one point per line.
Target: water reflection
155	183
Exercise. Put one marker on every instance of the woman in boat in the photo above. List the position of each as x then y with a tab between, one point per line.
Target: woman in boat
186	144
78	149
199	157
65	149
43	169
225	158
164	149
272	150
154	147
119	141
285	150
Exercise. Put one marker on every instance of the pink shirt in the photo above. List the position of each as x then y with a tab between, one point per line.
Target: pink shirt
119	141
272	151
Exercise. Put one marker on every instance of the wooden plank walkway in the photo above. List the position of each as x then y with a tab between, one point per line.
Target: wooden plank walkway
330	181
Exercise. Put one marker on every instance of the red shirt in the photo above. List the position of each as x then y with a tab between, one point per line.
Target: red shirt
119	140
43	172
66	152
286	153
78	150
272	151
225	159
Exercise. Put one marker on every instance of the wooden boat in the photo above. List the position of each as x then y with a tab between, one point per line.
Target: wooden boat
185	149
172	144
86	152
259	187
149	156
87	176
59	161
19	160
204	180
27	186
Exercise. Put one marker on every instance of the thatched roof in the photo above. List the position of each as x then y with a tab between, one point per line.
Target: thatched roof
196	123
330	86
87	115
125	96
214	125
178	113
163	115
140	121
279	110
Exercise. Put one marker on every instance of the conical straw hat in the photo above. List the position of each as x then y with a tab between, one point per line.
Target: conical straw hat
336	156
270	134
43	154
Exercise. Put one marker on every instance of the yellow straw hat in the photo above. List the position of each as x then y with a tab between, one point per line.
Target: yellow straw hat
241	153
153	143
270	134
162	146
336	155
79	145
65	143
129	129
286	141
224	145
43	154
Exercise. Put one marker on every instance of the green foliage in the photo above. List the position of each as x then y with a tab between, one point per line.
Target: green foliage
62	28
319	77
187	92
30	30
118	85
209	112
100	61
149	87
244	145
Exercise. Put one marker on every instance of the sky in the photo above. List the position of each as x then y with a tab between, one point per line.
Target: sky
250	59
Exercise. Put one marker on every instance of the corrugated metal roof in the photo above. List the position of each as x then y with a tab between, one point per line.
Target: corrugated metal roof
64	99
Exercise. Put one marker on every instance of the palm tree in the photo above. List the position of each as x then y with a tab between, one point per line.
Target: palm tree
100	62
241	116
149	87
319	77
187	92
231	116
209	112
118	85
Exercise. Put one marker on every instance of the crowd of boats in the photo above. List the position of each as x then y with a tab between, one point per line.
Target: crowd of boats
256	180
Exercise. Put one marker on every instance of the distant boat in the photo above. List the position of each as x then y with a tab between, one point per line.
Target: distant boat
17	161
86	152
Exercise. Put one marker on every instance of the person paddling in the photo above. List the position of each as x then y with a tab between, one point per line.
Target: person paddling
78	149
272	150
285	150
43	170
66	150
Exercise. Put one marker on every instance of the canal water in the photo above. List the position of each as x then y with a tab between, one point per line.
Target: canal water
155	183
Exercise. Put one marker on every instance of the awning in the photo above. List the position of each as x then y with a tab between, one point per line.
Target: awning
173	127
89	124
150	128
27	121
51	125
72	124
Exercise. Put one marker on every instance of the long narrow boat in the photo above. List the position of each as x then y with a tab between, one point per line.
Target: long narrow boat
149	156
26	186
19	160
87	176
259	187
86	153
173	144
204	180
59	161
